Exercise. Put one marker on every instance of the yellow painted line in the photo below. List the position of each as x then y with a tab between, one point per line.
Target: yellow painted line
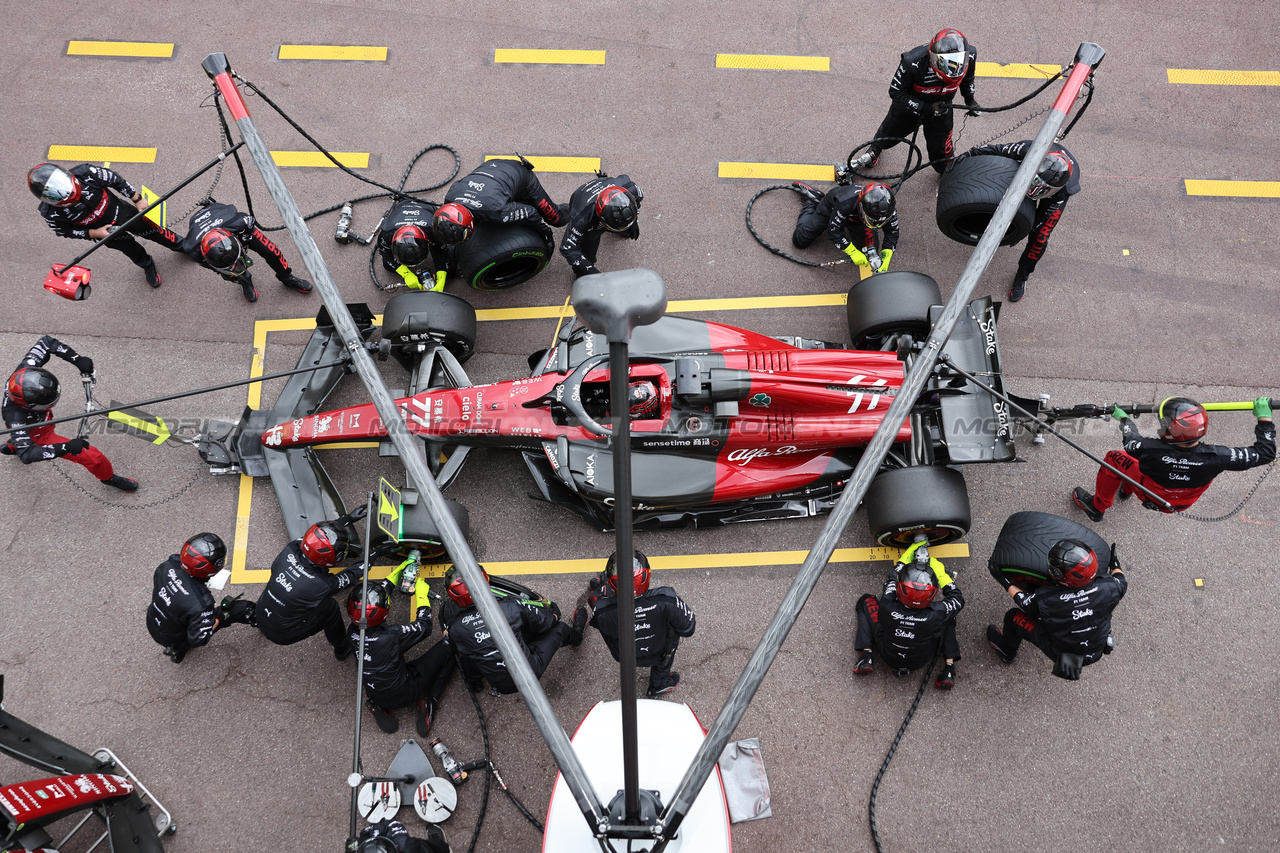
1015	69
240	548
778	171
549	57
314	159
1224	78
769	62
348	52
93	153
699	561
555	164
152	50
1234	189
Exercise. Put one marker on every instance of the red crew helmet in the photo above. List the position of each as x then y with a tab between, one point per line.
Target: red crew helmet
916	585
453	224
1182	420
639	572
457	589
1072	563
374	605
203	555
34	388
325	544
949	55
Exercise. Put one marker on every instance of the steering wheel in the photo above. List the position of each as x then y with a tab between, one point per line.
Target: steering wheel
570	395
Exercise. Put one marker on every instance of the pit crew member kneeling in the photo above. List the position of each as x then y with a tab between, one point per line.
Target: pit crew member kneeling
182	614
298	600
867	214
538	630
390	681
408	238
599	205
662	618
908	622
1070	621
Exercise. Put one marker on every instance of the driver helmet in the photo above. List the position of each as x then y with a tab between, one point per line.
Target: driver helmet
876	204
616	208
1182	420
949	55
33	388
639	572
457	588
325	544
374	604
220	249
1052	176
642	400
54	184
453	224
917	586
409	245
203	555
1072	563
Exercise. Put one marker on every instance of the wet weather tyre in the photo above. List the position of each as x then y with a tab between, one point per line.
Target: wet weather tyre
1021	552
928	499
502	256
440	317
890	303
968	193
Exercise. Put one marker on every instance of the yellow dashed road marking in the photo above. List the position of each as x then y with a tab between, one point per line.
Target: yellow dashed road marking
93	153
778	171
350	159
554	164
1234	189
767	62
151	50
549	57
1015	69
348	52
1224	78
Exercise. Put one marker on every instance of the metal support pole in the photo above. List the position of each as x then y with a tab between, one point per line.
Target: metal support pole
1087	57
619	408
354	780
416	468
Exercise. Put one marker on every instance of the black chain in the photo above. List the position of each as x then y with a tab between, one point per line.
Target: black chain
155	503
225	143
1239	506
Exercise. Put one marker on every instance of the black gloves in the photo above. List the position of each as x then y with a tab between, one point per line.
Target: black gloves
634	231
999	575
84	364
1068	666
355	515
75	445
1115	561
940	108
972	112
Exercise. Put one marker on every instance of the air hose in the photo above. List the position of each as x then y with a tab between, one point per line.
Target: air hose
906	721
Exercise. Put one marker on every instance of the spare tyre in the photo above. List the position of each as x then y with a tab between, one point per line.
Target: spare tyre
496	257
969	192
1021	552
890	303
928	499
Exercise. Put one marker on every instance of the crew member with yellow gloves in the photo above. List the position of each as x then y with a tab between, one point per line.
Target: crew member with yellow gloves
910	619
406	240
390	681
861	220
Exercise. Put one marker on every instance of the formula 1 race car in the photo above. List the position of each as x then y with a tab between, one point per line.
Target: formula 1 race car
727	425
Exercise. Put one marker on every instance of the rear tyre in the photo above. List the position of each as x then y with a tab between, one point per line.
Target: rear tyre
969	192
411	319
888	304
928	499
500	256
1021	552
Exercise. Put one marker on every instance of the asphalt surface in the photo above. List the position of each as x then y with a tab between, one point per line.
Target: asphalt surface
1168	745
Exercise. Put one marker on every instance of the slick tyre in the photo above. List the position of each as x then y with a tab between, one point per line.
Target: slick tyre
928	499
414	318
1021	552
888	304
500	256
418	531
968	193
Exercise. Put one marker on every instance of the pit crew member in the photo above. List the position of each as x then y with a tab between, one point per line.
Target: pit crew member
390	836
860	220
407	238
908	621
182	614
499	191
662	618
1176	466
217	238
28	401
1070	621
601	204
